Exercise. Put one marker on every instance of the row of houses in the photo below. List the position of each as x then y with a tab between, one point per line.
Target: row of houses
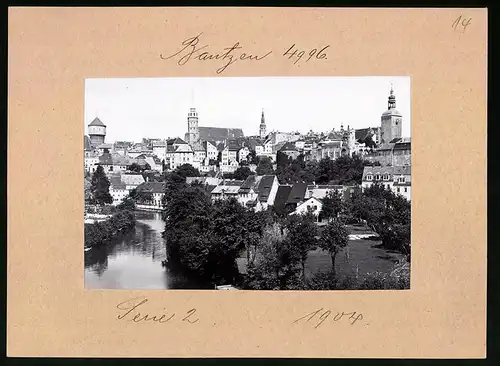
255	192
261	192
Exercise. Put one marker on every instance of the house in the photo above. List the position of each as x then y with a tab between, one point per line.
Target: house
117	189
281	197
211	151
397	152
226	189
150	196
178	153
132	180
395	178
204	180
104	148
266	149
159	149
290	150
320	191
87	145
258	191
243	153
312	205
154	162
199	154
91	161
330	149
296	196
122	147
300	144
365	133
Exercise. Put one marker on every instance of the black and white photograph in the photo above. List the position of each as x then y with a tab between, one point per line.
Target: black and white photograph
251	183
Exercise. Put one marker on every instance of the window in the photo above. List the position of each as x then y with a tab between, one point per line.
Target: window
401	179
369	177
406	190
377	177
386	176
111	168
398	189
388	186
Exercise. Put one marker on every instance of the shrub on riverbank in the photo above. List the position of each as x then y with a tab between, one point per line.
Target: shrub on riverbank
102	233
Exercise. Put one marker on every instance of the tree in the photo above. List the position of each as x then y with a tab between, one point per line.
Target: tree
282	159
144	196
242	173
134	167
127	204
334	237
265	166
275	267
301	233
332	205
187	170
99	187
187	224
87	191
253	158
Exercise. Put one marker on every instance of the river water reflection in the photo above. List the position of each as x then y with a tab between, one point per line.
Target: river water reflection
133	261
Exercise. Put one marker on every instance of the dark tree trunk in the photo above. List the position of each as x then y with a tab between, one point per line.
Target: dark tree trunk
334	255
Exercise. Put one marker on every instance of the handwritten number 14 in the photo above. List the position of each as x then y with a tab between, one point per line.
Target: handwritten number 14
461	22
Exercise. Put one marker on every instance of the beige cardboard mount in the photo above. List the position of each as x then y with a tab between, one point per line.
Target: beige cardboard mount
53	50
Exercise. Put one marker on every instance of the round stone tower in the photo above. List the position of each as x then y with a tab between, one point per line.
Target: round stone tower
97	132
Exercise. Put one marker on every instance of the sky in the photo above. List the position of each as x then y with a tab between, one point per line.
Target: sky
138	108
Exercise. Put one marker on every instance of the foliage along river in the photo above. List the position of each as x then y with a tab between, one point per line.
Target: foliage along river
133	261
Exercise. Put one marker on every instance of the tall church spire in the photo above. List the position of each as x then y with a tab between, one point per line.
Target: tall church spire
262	127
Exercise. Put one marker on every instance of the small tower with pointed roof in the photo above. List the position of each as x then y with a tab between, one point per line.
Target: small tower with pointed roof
391	121
262	127
97	132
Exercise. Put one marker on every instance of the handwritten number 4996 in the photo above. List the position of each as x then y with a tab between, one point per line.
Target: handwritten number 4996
294	52
461	23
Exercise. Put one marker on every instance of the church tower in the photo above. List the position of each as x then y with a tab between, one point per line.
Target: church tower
391	120
97	132
262	127
193	133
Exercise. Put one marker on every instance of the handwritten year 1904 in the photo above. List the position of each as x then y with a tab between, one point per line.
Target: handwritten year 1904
319	316
296	54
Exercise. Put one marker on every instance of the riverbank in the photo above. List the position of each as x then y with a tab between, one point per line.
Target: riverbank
101	233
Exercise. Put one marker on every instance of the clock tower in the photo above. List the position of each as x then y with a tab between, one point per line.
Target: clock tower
391	121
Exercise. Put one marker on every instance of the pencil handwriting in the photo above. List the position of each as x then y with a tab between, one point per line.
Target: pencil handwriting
461	23
133	310
318	317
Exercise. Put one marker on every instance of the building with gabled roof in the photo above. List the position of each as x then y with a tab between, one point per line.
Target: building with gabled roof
150	196
178	153
290	150
258	191
297	194
312	205
395	178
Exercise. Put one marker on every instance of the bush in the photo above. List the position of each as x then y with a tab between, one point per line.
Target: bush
102	233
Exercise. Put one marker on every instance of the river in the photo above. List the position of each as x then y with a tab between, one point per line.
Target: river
133	261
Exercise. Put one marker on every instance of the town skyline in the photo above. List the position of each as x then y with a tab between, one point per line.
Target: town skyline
133	109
